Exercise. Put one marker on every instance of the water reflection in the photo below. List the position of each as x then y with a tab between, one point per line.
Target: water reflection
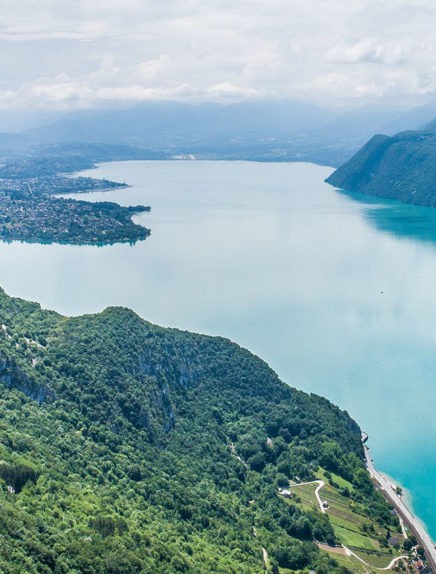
396	218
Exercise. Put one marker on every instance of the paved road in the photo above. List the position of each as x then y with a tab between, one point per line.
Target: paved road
388	489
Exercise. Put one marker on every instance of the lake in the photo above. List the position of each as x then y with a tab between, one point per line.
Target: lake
335	291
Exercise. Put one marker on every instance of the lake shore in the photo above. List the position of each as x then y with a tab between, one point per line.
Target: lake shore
389	490
270	256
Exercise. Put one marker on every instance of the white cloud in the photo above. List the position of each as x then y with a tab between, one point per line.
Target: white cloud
369	50
227	90
57	53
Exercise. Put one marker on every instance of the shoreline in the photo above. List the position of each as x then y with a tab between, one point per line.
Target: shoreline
407	499
387	487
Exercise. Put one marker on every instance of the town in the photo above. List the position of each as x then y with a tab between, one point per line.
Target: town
31	211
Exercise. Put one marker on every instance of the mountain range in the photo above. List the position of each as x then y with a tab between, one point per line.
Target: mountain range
282	130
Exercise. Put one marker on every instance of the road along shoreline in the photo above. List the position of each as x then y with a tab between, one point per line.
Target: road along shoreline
384	483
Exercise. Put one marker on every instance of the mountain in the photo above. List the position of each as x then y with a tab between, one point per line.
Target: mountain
276	130
355	126
11	141
402	167
261	130
358	124
19	120
167	124
431	126
413	119
127	448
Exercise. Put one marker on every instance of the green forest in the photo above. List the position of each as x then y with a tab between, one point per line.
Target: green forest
128	448
401	167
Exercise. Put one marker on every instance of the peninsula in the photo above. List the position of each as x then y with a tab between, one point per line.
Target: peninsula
31	211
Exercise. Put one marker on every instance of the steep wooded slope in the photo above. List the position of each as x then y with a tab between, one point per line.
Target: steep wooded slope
129	448
402	167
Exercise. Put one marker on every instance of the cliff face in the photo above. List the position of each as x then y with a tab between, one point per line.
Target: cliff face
402	167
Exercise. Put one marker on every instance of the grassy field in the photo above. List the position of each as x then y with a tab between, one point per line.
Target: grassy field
341	482
351	563
354	539
379	560
358	567
306	493
352	528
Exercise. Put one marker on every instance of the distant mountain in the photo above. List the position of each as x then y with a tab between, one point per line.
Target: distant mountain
414	119
269	130
401	167
354	127
431	126
357	125
262	130
163	124
11	141
16	121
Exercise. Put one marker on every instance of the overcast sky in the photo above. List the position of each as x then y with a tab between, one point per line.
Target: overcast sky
72	54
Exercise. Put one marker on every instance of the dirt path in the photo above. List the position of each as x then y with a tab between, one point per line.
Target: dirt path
333	549
265	557
320	484
349	552
343	549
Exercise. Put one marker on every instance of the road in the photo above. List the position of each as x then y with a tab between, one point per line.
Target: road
346	551
320	484
391	564
388	489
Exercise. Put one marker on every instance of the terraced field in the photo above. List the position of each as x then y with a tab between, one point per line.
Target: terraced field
305	495
353	529
350	562
347	522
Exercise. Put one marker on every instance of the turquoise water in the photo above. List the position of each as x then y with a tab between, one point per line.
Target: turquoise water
335	291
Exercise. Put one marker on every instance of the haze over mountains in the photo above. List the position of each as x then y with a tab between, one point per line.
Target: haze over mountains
283	130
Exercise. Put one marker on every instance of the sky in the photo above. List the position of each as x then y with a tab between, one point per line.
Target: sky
61	55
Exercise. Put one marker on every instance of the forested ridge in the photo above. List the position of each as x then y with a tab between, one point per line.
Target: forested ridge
401	167
130	448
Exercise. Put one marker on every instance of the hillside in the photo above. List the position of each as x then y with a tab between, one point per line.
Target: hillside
402	167
130	448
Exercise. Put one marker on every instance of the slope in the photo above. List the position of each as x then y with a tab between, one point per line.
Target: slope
402	167
129	448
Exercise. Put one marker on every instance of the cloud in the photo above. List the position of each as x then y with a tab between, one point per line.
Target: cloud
63	54
369	50
227	90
